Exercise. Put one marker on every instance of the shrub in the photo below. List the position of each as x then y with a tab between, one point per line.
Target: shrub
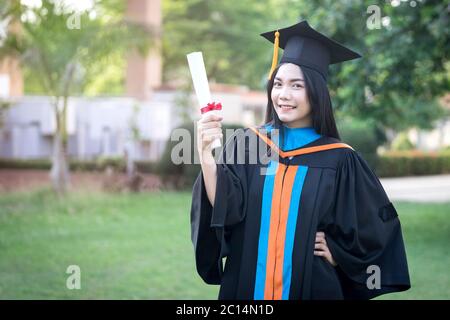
100	164
413	163
37	164
402	142
363	136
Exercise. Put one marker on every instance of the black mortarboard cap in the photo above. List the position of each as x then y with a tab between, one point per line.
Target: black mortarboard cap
307	47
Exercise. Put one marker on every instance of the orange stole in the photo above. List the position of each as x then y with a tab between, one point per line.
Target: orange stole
277	235
297	152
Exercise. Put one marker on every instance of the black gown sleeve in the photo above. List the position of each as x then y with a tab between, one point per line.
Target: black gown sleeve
211	225
364	230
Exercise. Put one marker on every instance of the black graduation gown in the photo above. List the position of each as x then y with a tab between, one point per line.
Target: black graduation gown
265	226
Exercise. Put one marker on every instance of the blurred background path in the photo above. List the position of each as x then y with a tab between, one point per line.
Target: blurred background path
419	189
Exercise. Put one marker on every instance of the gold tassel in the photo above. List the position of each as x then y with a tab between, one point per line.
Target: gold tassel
275	53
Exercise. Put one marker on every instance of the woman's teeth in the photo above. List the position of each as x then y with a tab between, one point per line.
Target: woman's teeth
286	107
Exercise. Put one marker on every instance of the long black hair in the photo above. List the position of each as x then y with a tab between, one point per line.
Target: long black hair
319	99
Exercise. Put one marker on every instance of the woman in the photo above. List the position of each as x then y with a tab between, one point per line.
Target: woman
316	224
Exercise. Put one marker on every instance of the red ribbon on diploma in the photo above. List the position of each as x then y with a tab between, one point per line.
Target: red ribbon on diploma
211	106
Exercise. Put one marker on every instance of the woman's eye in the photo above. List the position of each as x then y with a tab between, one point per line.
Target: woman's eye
277	84
298	86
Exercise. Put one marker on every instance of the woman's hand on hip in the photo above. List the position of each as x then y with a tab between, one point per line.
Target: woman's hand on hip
321	248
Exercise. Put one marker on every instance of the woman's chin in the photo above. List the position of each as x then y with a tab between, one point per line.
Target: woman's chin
285	119
291	119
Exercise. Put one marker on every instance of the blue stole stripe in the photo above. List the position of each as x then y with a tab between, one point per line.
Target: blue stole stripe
266	208
290	229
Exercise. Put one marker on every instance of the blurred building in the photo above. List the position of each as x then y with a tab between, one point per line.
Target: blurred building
138	124
96	127
111	127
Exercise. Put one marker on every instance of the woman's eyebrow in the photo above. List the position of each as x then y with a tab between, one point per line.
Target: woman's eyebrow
291	80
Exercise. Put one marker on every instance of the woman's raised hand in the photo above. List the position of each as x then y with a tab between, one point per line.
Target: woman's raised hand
209	127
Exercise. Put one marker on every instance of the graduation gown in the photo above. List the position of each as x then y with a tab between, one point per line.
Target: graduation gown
258	240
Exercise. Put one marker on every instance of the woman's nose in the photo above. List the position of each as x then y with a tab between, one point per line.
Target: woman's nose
284	93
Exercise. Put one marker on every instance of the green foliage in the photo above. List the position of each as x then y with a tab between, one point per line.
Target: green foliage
147	167
404	66
99	164
37	164
402	142
412	163
63	49
225	31
364	136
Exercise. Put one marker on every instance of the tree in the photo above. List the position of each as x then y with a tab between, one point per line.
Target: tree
404	67
226	33
60	45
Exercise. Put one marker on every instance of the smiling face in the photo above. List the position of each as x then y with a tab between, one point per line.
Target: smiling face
289	97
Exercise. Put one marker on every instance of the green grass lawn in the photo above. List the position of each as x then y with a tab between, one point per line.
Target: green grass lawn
137	246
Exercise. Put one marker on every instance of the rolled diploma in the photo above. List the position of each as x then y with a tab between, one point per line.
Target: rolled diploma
201	86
